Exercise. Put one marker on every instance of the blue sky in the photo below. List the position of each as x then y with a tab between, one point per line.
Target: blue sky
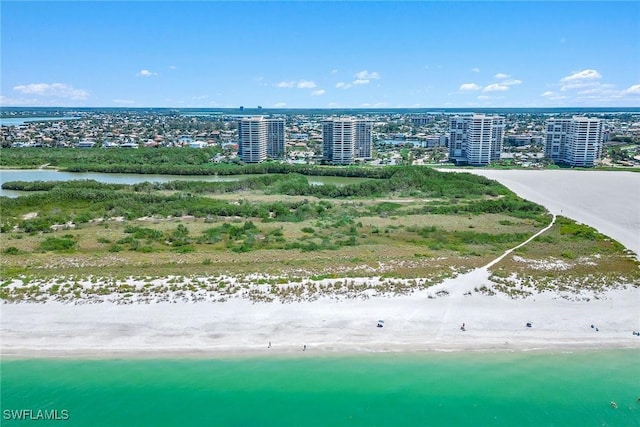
320	54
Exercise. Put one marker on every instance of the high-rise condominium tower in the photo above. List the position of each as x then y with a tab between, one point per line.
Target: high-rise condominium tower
475	139
346	139
275	138
259	137
576	141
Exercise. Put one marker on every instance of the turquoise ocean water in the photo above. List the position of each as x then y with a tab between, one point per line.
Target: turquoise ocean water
422	389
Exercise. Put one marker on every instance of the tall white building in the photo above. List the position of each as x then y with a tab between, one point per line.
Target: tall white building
345	139
275	138
364	142
475	139
576	141
252	139
557	131
259	137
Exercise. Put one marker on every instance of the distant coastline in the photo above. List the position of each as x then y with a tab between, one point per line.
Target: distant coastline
12	111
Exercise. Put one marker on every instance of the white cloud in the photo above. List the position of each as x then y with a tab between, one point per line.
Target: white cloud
123	101
581	76
318	92
635	90
579	85
483	97
172	67
495	87
552	96
511	82
146	73
502	76
300	84
361	78
60	90
366	75
334	71
469	87
475	69
279	104
306	84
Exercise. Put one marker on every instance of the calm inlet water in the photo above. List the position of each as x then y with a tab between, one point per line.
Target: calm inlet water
9	121
8	175
435	389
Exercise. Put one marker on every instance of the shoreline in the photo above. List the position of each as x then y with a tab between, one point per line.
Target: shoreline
414	324
297	355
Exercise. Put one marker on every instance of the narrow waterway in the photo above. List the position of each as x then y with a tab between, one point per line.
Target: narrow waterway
8	175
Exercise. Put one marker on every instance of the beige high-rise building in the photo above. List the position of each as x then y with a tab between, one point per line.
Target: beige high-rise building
252	139
259	138
576	141
275	138
346	139
475	139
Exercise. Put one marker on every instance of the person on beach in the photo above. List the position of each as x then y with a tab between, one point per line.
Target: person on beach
462	327
269	344
304	347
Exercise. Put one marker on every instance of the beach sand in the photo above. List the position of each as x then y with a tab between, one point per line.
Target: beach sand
427	320
412	323
607	201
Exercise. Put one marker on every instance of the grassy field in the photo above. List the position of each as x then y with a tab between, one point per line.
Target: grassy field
421	225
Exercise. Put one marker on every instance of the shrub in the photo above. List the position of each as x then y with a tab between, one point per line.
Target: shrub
57	244
11	250
184	249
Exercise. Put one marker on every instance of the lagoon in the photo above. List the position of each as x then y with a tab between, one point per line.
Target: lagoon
128	178
5	121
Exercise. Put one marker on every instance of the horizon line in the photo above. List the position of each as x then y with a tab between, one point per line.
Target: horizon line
314	108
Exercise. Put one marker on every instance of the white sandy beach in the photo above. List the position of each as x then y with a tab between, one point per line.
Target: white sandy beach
423	321
412	323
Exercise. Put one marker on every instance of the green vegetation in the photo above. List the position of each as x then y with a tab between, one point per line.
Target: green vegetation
82	201
64	243
168	161
79	159
571	257
402	222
